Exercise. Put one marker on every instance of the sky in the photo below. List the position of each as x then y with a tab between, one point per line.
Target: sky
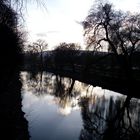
60	20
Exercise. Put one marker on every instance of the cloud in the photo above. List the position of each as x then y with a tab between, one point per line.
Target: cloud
41	34
46	33
52	32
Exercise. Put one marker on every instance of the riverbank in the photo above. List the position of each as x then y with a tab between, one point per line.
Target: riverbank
13	125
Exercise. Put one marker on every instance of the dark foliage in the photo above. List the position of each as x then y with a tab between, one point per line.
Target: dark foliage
10	44
13	124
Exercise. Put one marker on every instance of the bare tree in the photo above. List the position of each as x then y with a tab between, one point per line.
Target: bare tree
115	31
38	47
21	4
118	31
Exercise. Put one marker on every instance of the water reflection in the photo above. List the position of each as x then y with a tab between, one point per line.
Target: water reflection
62	108
109	119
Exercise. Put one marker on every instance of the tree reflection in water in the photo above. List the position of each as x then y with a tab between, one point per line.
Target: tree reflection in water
105	116
61	88
110	118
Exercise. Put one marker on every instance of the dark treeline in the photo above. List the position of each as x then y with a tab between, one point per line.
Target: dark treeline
96	68
72	60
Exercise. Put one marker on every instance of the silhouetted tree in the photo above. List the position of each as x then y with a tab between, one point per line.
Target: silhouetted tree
13	124
11	42
37	47
118	31
34	57
66	53
115	31
67	46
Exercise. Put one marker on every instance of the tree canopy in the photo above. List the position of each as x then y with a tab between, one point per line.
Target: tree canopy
113	30
67	46
37	46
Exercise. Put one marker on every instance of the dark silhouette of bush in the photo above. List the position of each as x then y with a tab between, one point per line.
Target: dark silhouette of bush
13	124
10	44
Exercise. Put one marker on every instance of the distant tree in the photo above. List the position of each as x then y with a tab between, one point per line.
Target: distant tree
66	53
36	47
67	46
36	50
40	45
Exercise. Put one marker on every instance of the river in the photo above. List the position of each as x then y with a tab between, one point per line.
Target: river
60	108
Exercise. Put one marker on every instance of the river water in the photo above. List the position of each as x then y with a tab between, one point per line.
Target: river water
60	108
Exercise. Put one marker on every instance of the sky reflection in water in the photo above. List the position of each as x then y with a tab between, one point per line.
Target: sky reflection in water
63	109
47	121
